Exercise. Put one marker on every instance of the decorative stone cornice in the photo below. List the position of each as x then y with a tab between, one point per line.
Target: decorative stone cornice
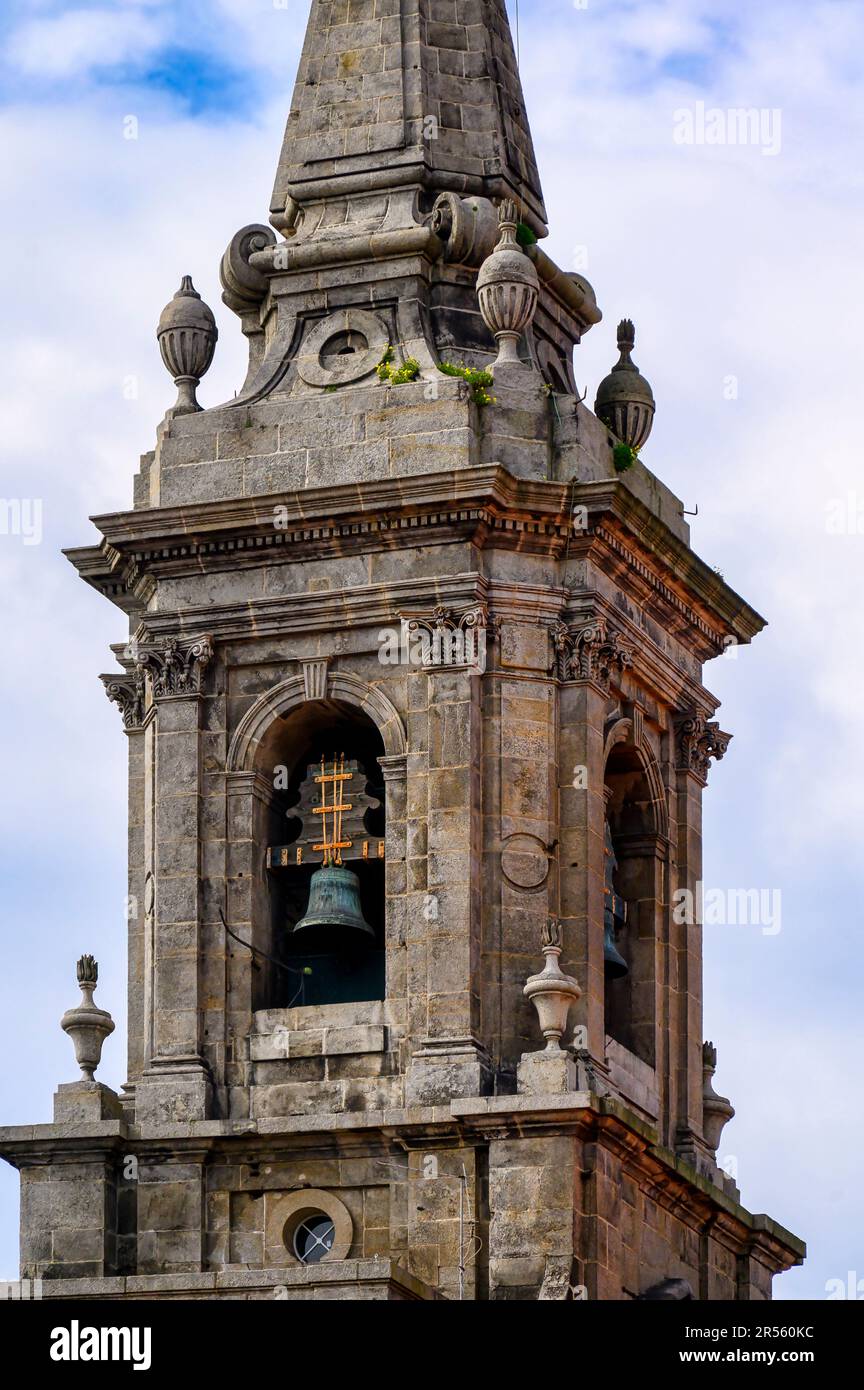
485	503
127	693
175	666
590	653
698	740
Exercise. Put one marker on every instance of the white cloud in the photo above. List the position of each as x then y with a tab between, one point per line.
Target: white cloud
80	41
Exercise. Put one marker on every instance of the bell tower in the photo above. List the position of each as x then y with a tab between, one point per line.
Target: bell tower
418	739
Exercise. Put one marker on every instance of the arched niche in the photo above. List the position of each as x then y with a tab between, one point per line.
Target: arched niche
338	687
273	759
638	817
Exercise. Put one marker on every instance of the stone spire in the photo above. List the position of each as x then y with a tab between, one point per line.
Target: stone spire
398	92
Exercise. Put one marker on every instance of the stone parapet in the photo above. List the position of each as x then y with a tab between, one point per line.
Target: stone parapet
344	1280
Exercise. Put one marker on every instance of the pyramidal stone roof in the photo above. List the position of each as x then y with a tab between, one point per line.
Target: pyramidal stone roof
395	92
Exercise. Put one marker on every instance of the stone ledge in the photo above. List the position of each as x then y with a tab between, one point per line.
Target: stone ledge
471	1115
89	1129
304	1017
376	1278
283	1044
520	1105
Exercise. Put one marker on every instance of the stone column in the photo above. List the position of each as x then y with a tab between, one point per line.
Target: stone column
697	741
395	773
520	828
128	694
175	1085
585	659
246	887
445	910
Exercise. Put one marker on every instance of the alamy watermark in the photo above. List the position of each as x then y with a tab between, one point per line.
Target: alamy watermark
851	1287
20	1290
77	1343
729	907
22	517
760	127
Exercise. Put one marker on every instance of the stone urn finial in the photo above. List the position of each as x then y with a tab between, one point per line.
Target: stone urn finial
87	1025
717	1111
187	336
507	287
551	992
625	401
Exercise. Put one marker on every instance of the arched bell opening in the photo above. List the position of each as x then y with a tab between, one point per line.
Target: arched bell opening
633	890
320	833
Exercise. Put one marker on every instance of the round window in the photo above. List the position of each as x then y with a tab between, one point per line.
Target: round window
309	1226
342	345
313	1238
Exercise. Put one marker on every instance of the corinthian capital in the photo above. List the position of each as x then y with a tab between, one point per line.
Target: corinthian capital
590	653
175	665
127	693
446	638
699	740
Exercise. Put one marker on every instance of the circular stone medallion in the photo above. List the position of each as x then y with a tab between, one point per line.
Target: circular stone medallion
524	861
344	347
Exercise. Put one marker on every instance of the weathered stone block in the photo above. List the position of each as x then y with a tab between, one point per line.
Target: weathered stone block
544	1073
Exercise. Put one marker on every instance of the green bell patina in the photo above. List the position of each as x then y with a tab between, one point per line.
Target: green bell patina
334	901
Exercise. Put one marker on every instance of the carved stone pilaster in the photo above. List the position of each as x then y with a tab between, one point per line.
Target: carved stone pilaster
562	645
698	740
175	666
127	693
590	653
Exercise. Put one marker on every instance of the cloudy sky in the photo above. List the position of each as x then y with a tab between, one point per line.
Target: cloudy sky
741	265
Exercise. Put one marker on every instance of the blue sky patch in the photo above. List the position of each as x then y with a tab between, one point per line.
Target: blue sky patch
201	82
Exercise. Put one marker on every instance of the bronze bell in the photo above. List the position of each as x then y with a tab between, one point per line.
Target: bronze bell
334	901
614	965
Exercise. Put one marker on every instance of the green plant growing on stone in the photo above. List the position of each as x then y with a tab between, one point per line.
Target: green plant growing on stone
397	376
382	371
525	236
624	456
478	381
